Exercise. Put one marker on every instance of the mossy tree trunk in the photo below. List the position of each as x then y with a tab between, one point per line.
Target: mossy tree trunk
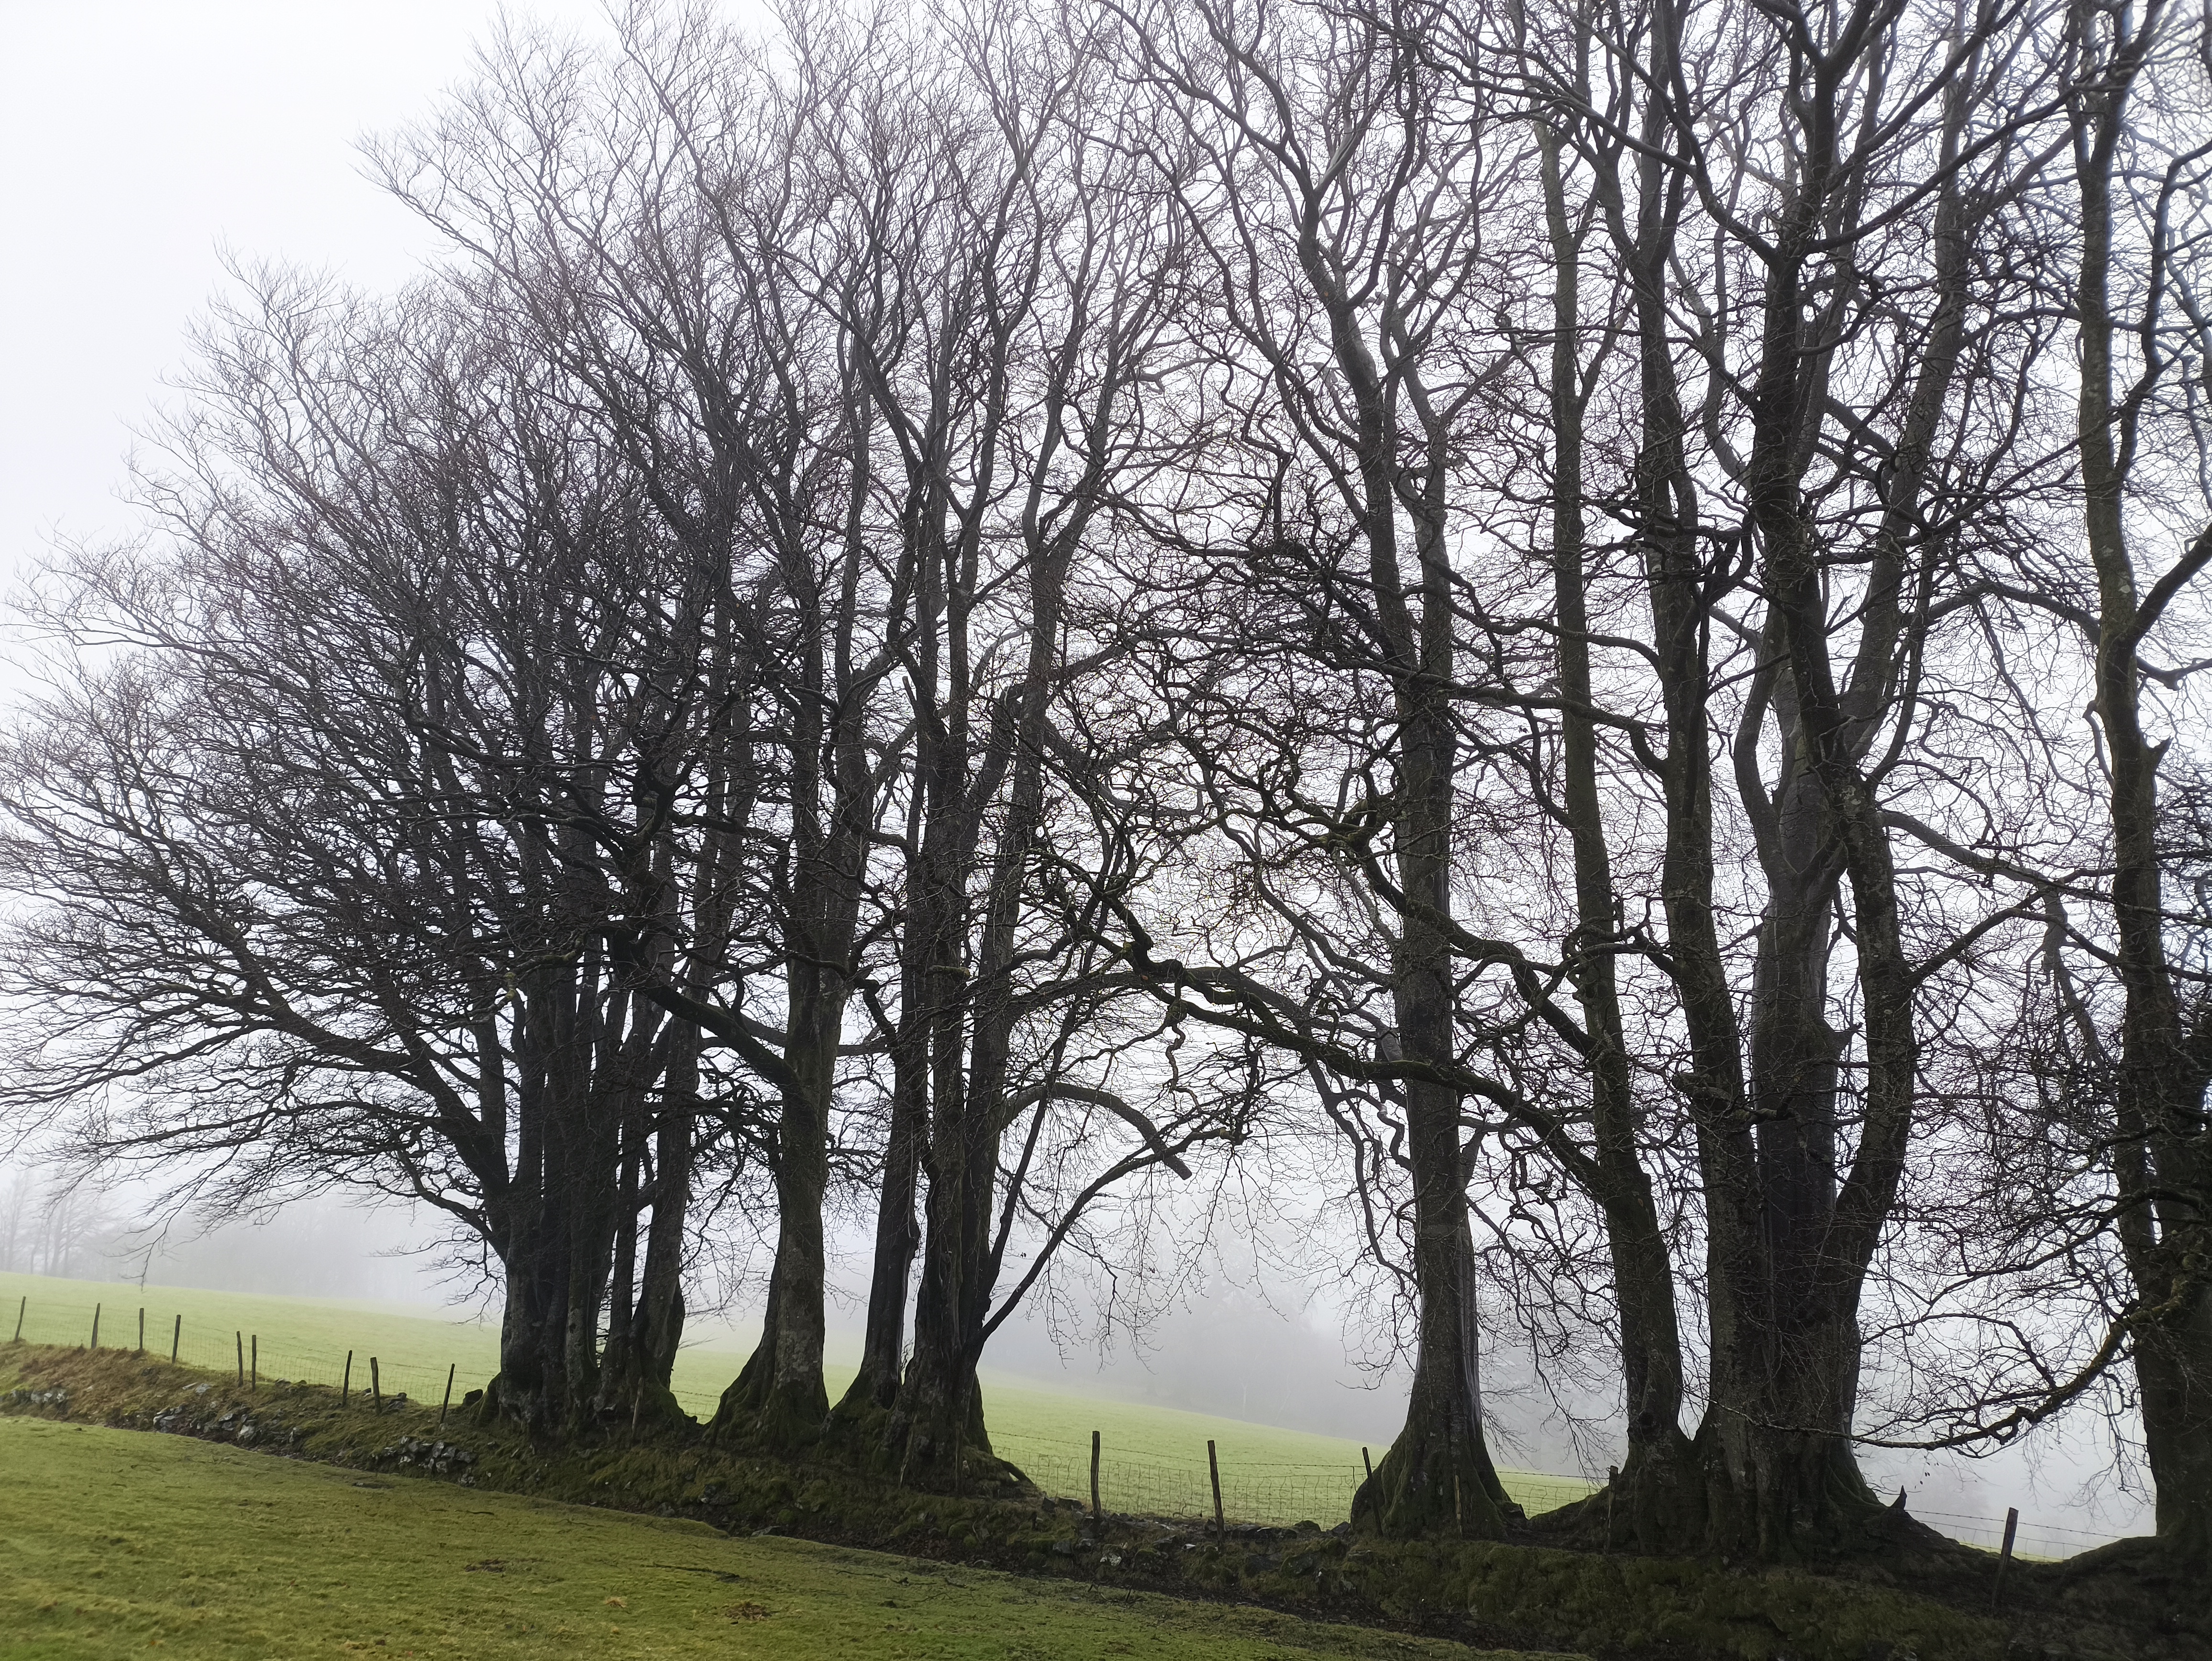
1437	1477
779	1400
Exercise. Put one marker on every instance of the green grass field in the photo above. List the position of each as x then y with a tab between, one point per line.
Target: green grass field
117	1542
153	1540
1153	1459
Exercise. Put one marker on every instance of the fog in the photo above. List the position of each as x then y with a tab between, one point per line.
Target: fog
1237	1344
146	143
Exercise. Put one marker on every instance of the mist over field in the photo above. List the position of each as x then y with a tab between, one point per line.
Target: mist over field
1237	1347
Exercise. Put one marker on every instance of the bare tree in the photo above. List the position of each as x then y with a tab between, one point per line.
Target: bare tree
301	908
2141	166
1338	205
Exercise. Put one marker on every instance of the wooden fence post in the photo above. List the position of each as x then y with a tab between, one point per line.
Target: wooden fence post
142	1329
22	1304
96	1328
1095	1512
375	1384
177	1337
345	1386
1214	1470
256	1362
2004	1554
242	1358
448	1402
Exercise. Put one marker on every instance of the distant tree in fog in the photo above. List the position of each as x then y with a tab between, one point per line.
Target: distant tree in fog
63	1229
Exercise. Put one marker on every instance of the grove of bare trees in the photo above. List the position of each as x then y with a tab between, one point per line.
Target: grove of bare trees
1565	631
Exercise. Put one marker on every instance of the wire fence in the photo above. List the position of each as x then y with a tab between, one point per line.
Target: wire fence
1252	1491
701	1404
2045	1541
249	1357
1270	1492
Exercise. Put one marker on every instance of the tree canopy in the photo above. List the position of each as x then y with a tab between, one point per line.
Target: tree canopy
1566	632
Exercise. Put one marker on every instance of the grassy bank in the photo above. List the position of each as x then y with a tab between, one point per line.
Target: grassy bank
116	1541
1498	1595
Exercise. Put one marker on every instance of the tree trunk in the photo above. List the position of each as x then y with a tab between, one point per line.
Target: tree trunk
529	1387
1658	1496
2160	1157
657	1329
779	1399
641	1348
1437	1477
1681	1502
936	1425
938	1421
539	1254
898	1235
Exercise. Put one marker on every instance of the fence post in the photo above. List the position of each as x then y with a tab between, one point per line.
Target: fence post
96	1328
1095	1512
375	1384
1214	1470
345	1387
2004	1554
256	1362
242	1358
448	1402
24	1304
142	1329
177	1337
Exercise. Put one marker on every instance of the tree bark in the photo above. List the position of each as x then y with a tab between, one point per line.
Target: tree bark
779	1399
640	1356
898	1232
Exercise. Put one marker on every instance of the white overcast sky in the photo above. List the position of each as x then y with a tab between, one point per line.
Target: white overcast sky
139	138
